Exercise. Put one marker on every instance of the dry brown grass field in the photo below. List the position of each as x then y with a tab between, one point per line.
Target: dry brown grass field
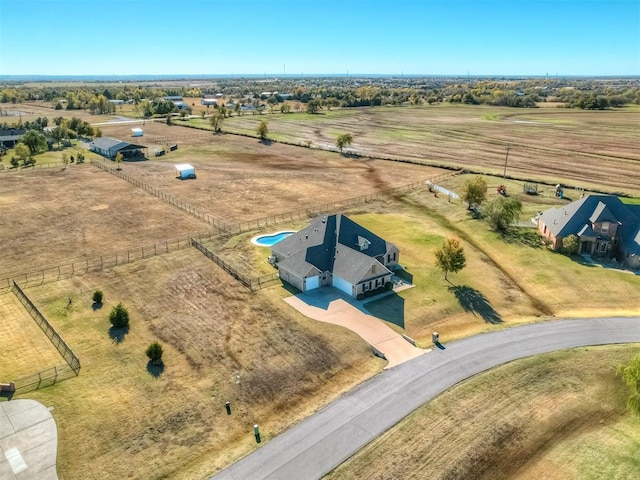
52	216
590	148
555	416
82	212
116	419
29	111
241	179
25	348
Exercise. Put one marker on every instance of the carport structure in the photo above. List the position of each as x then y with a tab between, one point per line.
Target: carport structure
110	147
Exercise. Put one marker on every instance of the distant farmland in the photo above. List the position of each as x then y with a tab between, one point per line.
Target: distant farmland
595	149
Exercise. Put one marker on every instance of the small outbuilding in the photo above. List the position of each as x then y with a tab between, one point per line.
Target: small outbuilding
184	170
110	147
136	132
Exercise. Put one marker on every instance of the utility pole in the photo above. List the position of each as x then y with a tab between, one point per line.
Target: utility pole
504	175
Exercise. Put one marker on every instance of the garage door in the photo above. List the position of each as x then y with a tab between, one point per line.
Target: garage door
343	285
311	283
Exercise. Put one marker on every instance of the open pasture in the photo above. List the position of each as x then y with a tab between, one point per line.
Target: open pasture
29	111
241	179
52	216
122	417
589	148
212	328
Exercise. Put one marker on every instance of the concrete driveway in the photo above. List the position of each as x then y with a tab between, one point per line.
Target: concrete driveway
330	305
28	441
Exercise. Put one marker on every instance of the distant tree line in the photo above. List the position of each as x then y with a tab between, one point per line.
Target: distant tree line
330	92
598	98
71	128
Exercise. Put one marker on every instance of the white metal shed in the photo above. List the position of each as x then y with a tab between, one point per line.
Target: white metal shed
136	132
184	170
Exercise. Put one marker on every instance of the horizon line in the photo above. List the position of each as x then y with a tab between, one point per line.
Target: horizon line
179	76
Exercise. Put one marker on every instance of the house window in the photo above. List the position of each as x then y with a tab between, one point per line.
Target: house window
388	258
394	256
365	287
603	247
605	227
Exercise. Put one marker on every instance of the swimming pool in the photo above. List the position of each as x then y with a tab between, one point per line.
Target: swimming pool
272	239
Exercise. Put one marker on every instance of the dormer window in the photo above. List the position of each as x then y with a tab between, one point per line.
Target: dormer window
363	243
605	227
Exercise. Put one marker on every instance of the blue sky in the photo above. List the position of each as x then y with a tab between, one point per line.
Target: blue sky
479	37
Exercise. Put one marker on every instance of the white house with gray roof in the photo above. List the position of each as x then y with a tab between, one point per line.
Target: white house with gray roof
603	224
334	250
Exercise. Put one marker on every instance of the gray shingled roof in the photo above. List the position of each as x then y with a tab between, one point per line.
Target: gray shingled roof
11	132
299	266
354	266
10	138
106	143
330	243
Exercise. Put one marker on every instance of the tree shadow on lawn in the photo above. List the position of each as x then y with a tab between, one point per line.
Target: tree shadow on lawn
389	308
155	370
117	334
96	306
472	300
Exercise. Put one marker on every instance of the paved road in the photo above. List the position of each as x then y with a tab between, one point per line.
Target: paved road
324	440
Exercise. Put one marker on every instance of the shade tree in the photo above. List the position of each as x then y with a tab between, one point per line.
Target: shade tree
450	257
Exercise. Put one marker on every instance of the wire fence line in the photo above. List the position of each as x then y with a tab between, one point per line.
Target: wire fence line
308	212
173	139
20	168
165	197
77	267
44	378
56	340
337	206
253	283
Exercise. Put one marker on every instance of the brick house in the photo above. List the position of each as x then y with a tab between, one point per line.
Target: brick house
605	227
